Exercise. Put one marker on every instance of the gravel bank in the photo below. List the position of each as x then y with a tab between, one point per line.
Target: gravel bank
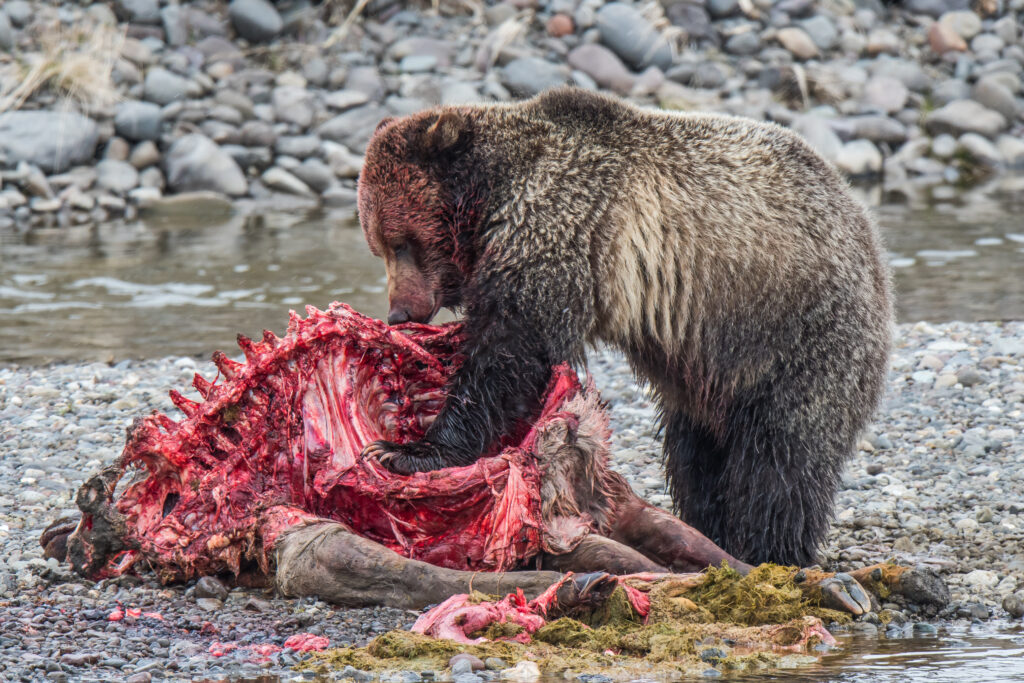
939	480
124	102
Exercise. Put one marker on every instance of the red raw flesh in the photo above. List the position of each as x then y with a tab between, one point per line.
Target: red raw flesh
276	442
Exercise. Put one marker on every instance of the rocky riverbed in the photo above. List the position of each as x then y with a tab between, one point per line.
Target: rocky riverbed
938	481
112	106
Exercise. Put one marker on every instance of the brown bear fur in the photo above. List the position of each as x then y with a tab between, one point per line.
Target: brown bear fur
723	256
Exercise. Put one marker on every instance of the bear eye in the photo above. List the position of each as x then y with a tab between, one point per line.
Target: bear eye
401	249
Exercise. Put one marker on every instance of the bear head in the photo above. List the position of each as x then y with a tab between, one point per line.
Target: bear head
417	209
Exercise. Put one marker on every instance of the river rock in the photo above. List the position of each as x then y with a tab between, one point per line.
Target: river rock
603	66
195	162
523	672
53	141
138	11
343	100
744	44
354	127
819	134
342	161
135	120
980	150
822	31
965	116
116	176
255	20
144	154
1014	605
859	158
886	94
942	39
991	92
965	24
211	587
276	178
163	87
629	35
314	173
293	105
7	38
19	12
1011	149
797	42
528	76
879	129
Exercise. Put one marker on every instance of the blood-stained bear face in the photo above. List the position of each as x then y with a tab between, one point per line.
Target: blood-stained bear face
403	213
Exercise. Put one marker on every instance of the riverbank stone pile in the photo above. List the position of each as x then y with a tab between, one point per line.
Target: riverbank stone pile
937	480
109	107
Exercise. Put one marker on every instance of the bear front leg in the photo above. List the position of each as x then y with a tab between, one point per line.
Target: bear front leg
517	330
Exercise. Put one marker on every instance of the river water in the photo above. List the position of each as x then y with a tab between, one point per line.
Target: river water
185	285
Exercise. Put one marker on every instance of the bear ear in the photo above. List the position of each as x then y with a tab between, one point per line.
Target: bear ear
383	122
447	133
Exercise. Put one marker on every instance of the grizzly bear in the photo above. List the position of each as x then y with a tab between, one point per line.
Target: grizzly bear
723	256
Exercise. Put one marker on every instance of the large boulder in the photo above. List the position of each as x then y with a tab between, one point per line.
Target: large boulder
195	162
53	141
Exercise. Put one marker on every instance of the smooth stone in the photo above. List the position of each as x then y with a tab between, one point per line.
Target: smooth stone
819	135
798	42
53	141
354	127
345	99
163	87
528	76
944	146
116	176
257	21
879	129
276	178
603	66
191	204
523	672
136	120
629	35
7	35
965	24
314	173
20	12
1011	149
476	664
298	146
744	44
965	116
943	38
342	161
822	31
1014	605
859	158
138	11
293	105
885	94
991	92
980	150
210	587
194	162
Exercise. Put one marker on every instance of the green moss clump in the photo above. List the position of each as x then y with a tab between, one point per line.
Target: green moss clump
767	595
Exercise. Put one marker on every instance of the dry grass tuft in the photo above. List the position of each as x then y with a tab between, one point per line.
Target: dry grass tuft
75	64
474	7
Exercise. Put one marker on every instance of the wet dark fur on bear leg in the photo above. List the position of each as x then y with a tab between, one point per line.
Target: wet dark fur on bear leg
722	255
